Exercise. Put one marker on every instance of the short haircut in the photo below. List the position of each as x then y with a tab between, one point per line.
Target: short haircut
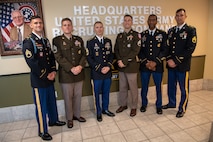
153	15
98	22
127	15
66	19
181	9
16	10
34	17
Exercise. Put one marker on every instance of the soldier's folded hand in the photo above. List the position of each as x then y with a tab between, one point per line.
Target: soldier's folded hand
153	65
51	76
171	63
121	64
104	70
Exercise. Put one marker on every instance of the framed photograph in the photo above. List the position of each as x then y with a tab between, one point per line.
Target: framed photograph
14	21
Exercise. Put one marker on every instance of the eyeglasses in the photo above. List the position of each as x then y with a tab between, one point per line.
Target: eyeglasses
17	17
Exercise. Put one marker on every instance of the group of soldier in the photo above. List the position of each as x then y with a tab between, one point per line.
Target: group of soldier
144	52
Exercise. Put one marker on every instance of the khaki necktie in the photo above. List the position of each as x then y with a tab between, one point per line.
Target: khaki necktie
19	35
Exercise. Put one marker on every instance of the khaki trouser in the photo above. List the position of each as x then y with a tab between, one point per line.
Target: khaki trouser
72	93
128	80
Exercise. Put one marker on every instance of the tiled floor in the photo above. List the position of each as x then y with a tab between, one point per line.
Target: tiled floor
144	127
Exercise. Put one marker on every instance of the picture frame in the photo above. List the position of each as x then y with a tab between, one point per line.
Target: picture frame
28	8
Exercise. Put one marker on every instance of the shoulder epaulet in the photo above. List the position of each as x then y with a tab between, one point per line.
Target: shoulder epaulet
28	37
90	38
161	31
105	37
190	26
146	31
77	37
134	31
172	28
58	37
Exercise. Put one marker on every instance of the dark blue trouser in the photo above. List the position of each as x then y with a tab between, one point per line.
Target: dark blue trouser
45	104
183	79
157	77
102	87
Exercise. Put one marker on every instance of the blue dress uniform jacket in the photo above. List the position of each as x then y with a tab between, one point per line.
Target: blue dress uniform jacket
40	59
181	46
127	47
69	53
153	48
99	56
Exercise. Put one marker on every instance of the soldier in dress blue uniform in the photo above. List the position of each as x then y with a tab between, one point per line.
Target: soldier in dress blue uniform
40	59
100	58
127	47
153	52
182	41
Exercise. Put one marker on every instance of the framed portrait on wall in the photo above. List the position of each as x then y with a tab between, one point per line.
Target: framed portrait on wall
14	21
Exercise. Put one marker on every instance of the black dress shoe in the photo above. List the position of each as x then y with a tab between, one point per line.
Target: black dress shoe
99	118
121	108
143	109
159	111
80	119
167	106
133	112
69	124
45	136
180	114
107	112
58	123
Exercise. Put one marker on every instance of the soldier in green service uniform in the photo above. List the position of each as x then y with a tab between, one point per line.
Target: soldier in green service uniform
127	47
70	53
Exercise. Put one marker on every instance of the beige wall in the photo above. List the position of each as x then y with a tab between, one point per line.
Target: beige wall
197	12
208	72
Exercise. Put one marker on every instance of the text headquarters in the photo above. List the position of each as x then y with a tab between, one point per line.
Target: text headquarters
112	18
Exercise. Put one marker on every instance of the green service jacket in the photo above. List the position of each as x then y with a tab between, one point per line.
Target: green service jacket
69	53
